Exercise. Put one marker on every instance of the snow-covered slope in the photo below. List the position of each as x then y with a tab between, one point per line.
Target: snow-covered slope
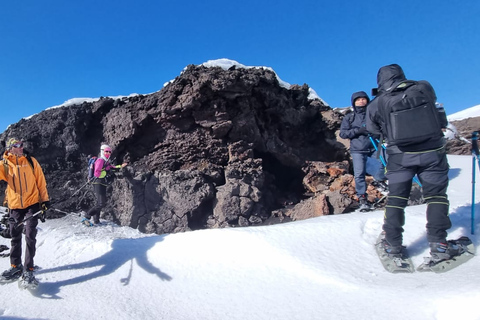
322	268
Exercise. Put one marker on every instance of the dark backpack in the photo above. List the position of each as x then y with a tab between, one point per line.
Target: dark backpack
109	177
410	114
91	167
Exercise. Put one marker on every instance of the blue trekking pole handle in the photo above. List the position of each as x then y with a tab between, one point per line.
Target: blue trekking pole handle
376	149
415	179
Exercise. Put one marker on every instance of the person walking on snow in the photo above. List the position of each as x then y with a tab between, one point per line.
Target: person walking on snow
426	158
26	195
362	151
102	169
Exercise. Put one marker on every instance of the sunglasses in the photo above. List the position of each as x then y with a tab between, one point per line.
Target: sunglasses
18	145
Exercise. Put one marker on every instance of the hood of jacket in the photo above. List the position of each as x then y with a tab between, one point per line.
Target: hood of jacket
356	95
389	77
359	94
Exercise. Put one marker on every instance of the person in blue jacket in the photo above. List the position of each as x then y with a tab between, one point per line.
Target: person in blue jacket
362	151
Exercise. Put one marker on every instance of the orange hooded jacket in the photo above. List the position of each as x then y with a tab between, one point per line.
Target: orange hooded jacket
26	185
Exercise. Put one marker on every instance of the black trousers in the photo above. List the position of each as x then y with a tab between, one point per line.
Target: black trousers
432	170
101	197
16	216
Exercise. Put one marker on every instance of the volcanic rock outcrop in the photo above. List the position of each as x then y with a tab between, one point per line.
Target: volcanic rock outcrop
213	148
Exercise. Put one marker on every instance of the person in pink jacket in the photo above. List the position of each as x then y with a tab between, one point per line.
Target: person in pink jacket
102	169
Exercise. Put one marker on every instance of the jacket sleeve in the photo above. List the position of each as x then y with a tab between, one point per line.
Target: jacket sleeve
374	122
41	182
346	129
3	174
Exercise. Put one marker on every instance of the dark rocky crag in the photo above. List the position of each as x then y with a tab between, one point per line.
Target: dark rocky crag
213	148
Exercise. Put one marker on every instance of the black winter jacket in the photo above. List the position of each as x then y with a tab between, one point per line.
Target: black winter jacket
351	124
388	78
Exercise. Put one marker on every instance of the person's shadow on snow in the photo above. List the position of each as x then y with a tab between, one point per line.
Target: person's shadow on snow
122	251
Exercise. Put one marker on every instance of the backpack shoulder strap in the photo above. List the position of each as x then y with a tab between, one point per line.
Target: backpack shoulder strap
404	85
5	166
30	161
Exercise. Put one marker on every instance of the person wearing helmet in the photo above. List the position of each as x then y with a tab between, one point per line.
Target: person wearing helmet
100	181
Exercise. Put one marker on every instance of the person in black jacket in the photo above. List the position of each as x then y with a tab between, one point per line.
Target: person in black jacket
426	158
362	151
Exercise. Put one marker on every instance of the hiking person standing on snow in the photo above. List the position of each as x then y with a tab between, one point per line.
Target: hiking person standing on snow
102	178
416	146
26	195
362	151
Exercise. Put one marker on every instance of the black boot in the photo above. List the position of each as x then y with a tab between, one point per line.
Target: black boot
13	273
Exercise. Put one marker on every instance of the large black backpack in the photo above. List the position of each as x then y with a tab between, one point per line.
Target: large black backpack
410	114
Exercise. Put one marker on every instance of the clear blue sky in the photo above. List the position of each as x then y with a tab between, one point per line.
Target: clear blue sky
55	50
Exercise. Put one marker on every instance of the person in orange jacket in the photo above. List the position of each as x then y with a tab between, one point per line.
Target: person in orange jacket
26	195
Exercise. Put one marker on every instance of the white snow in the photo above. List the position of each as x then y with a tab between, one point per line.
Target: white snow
465	114
321	268
226	64
452	132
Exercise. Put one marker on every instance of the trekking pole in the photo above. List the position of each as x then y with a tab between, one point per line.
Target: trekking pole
28	218
34	215
475	156
415	179
80	188
90	181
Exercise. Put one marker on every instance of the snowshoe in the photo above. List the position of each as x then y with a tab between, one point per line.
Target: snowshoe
455	253
87	222
393	259
11	274
28	281
364	205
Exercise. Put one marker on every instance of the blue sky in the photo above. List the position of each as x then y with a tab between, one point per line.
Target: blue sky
56	50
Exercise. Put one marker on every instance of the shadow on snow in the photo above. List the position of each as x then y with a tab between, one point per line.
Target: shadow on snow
122	251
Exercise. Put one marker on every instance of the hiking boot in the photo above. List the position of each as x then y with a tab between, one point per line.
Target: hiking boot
393	251
28	276
364	205
440	251
13	273
87	222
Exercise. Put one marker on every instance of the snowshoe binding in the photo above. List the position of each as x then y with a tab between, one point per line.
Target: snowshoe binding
28	281
87	222
364	205
446	256
11	274
394	259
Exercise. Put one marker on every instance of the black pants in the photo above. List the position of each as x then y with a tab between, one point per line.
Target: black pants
432	170
16	216
101	196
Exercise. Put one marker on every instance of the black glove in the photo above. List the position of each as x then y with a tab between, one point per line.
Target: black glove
44	207
362	131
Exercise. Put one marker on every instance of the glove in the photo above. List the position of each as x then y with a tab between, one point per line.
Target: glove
362	131
44	207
